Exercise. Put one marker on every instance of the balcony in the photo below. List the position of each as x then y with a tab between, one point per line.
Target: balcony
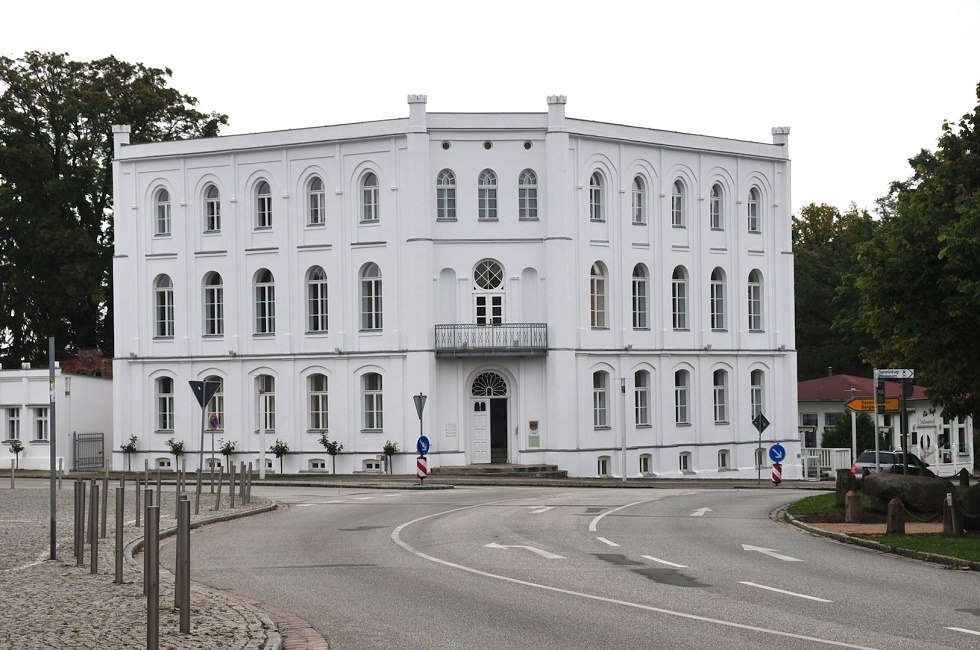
505	339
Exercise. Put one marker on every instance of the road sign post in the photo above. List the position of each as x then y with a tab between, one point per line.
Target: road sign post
761	423
422	468
204	391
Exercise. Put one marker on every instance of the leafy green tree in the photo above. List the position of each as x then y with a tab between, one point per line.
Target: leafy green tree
919	277
839	435
279	450
825	249
56	119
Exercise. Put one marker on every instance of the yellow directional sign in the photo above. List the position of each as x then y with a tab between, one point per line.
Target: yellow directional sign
867	405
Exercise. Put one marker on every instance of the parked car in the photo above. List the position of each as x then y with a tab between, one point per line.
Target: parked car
889	461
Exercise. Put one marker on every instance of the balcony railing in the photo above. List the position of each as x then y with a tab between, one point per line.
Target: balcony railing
515	339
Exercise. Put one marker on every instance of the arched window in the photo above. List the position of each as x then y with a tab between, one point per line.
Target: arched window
373	401
316	300
317	387
641	319
214	305
596	211
212	209
265	303
217	403
682	397
639	201
715	216
600	399
487	196
165	403
316	198
717	300
757	392
755	301
753	211
641	397
488	295
678	298
265	388
720	393
677	217
370	198
371	297
263	206
527	196
446	195
597	296
163	307
161	208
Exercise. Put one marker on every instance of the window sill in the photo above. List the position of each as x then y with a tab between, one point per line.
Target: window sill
163	338
678	225
263	335
316	226
318	432
681	329
9	441
162	235
597	221
757	331
211	232
488	219
602	428
372	430
213	337
372	222
682	424
722	423
688	472
370	331
166	432
599	328
446	220
40	442
639	223
317	332
263	228
644	426
528	219
721	330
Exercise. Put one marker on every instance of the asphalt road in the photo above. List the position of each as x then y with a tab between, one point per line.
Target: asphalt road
512	567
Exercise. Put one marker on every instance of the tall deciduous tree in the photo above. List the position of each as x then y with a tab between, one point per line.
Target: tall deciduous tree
56	119
825	248
920	275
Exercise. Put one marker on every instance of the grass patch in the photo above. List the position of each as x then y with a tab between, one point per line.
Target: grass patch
963	548
823	506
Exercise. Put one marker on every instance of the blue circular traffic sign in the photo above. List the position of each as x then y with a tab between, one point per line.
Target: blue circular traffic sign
422	445
777	453
213	421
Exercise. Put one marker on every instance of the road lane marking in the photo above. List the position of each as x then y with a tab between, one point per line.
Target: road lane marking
657	559
964	630
606	541
595	522
700	512
771	553
788	593
303	505
396	538
541	509
545	554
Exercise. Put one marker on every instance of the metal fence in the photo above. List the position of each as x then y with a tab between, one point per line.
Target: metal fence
500	339
89	450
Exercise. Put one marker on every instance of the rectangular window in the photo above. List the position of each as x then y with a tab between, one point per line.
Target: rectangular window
212	217
264	212
602	467
808	419
165	404
599	399
641	395
639	303
681	398
373	405
318	402
41	423
214	310
721	396
371	304
830	419
644	464
12	428
723	459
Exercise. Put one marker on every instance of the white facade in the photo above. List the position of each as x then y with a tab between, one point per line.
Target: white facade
82	405
517	269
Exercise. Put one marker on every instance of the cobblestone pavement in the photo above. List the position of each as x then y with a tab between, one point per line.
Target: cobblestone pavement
58	605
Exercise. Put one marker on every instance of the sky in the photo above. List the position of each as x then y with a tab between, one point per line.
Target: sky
863	84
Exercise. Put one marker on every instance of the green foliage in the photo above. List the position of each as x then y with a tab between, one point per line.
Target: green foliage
390	448
279	450
129	447
919	279
56	119
16	447
227	447
176	447
839	436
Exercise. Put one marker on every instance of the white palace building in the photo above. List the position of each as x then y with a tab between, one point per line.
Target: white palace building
613	300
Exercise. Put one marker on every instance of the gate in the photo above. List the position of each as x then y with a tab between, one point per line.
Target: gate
89	450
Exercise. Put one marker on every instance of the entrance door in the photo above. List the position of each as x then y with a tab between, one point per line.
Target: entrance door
488	419
498	430
480	431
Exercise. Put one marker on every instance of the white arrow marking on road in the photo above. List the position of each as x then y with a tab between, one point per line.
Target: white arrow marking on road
606	541
788	593
770	552
541	509
964	630
545	554
700	512
657	559
304	505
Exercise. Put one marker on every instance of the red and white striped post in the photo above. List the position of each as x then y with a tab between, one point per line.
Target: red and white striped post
422	468
777	473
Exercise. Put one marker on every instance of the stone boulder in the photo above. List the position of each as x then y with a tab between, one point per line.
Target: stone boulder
969	503
924	494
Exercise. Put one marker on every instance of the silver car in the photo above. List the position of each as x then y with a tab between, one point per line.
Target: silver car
889	461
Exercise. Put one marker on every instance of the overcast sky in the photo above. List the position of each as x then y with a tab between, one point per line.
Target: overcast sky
864	85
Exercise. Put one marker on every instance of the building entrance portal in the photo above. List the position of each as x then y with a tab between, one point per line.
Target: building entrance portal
488	424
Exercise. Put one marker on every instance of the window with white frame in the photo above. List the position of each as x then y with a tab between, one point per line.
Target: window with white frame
217	404
596	211
488	294
163	307
163	463
724	459
720	392
717	300
265	388
42	423
161	210
446	195
715	216
602	466
12	423
684	462
317	384
597	296
487	196
371	297
265	302
318	465
757	392
372	400
682	386
641	317
370	198
212	209
316	300
641	398
808	419
639	201
752	208
316	198
214	305
677	217
263	206
600	399
165	403
646	461
527	196
755	301
678	298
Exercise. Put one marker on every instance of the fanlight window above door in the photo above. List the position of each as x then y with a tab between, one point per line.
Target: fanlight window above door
489	384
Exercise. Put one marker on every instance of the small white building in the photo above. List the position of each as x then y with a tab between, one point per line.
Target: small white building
83	412
600	297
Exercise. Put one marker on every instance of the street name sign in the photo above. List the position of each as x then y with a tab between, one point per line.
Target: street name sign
895	373
867	405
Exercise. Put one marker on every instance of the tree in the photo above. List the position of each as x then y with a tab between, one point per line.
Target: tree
825	248
56	120
279	450
129	449
333	448
839	435
15	449
919	276
177	449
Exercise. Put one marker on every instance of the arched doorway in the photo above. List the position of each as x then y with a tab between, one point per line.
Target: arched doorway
488	421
